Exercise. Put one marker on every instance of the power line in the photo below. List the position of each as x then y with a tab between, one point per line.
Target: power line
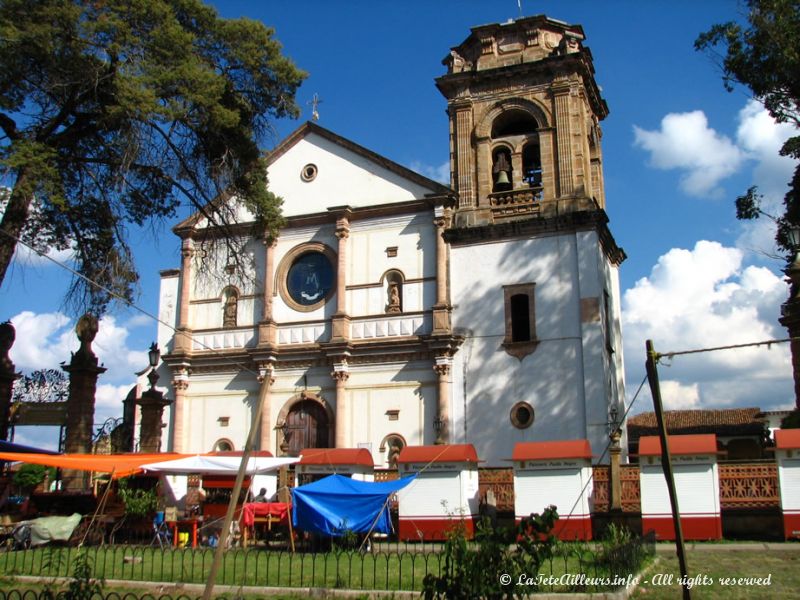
127	302
717	348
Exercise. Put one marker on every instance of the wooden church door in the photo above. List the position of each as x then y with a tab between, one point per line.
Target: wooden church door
308	427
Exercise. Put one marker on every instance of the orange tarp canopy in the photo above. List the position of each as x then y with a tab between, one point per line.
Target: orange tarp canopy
121	465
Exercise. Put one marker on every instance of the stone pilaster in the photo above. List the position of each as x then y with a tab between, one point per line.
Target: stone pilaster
7	376
442	369
341	320
266	379
441	310
464	164
267	329
561	94
183	336
180	383
341	374
83	372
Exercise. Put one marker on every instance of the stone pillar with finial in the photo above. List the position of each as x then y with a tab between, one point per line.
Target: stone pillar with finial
151	404
83	371
7	376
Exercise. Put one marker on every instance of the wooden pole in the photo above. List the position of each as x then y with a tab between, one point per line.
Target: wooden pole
237	486
666	463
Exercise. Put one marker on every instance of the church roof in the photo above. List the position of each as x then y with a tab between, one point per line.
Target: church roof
310	127
352	176
722	422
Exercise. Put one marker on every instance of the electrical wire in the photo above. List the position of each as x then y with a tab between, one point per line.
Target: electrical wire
227	359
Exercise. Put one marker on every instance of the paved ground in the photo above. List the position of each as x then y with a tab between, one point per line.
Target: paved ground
668	547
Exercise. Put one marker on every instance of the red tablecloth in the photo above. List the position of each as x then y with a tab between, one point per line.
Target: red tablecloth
252	510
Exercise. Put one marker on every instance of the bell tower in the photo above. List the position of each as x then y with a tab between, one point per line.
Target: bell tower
524	113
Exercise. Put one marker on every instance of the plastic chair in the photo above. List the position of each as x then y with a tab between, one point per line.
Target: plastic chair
162	534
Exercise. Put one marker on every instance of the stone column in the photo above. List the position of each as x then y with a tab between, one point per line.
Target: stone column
341	374
7	376
441	310
266	379
83	372
561	94
615	481
183	337
180	383
341	320
442	369
152	405
267	329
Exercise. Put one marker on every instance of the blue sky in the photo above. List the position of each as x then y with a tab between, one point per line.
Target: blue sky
677	147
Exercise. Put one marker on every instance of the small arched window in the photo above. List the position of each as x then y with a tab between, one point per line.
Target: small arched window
223	445
520	318
532	165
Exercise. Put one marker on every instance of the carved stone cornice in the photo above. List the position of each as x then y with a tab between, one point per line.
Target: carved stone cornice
596	219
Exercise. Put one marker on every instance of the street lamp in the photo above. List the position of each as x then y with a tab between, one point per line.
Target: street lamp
154	356
438	425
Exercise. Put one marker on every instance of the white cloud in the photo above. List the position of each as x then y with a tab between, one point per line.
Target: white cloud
29	258
677	396
439	173
686	142
703	298
43	341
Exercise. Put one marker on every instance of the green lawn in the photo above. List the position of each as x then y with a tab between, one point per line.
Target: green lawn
782	567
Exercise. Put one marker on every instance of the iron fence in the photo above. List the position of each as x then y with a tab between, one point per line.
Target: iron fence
591	567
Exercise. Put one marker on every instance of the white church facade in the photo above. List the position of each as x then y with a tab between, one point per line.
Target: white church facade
392	310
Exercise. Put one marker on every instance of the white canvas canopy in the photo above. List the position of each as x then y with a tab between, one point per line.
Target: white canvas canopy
218	465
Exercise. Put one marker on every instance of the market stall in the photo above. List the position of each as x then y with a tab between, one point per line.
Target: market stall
444	493
356	463
787	454
555	473
694	466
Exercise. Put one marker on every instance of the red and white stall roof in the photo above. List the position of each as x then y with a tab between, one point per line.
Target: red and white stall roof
705	443
787	439
452	453
337	456
562	449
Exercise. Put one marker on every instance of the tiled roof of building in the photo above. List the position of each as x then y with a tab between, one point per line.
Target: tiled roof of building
723	422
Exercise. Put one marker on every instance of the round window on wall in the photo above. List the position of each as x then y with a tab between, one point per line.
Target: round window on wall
522	415
310	278
309	172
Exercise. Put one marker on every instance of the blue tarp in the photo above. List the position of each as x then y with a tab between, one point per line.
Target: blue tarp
336	504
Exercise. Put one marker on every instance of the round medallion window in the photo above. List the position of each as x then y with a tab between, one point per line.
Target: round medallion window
310	278
522	415
309	172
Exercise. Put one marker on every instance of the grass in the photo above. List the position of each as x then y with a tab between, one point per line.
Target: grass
783	567
403	571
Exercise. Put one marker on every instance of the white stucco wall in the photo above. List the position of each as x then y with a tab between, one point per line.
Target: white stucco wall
343	178
564	379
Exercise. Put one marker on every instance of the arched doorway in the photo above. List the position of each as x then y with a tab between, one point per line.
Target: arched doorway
307	426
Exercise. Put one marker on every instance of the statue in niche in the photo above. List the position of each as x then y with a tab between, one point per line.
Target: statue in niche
394	298
230	309
394	453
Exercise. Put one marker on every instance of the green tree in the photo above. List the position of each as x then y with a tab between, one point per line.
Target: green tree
764	55
117	112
